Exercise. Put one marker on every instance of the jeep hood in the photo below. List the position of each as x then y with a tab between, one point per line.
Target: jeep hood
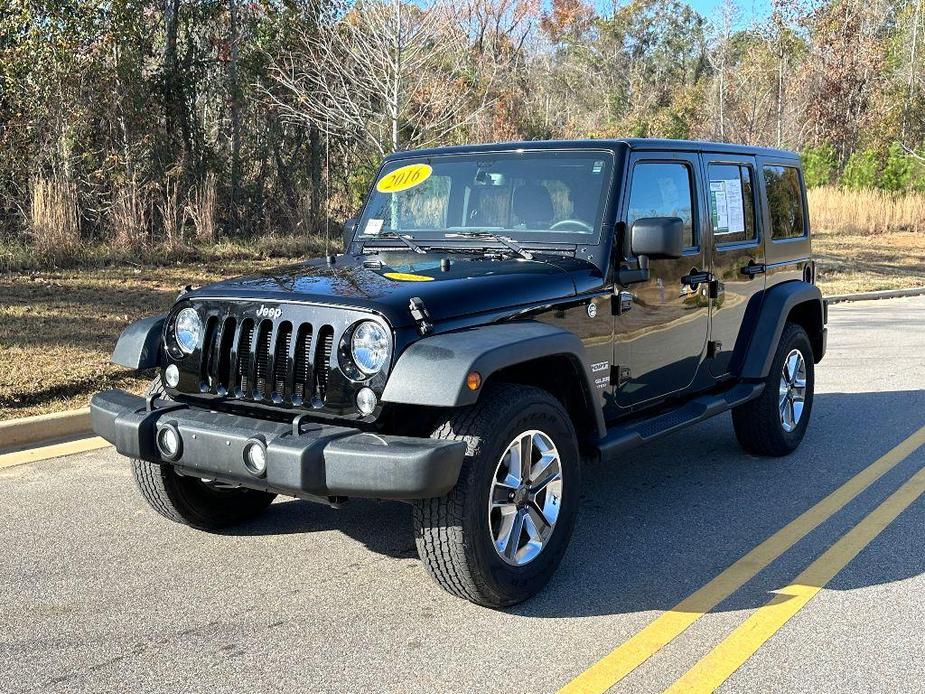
386	282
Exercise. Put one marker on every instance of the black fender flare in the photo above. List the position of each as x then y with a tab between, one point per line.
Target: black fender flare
779	302
139	345
432	371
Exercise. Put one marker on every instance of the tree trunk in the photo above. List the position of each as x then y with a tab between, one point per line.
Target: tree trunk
235	114
314	148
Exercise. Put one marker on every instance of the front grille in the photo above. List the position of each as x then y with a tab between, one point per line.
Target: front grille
263	361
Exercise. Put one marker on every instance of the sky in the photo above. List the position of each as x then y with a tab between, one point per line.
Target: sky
748	9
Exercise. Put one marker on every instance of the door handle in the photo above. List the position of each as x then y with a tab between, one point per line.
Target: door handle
753	269
697	277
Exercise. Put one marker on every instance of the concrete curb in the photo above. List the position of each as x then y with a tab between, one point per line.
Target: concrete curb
869	296
42	428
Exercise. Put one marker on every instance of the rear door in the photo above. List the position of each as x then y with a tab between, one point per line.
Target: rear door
737	251
659	343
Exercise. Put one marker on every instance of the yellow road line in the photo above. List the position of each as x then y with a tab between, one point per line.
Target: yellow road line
716	667
669	625
54	450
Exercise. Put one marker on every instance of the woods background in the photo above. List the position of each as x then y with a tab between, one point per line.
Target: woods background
130	127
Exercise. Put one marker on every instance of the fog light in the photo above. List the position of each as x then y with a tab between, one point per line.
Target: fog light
172	376
366	401
255	457
168	442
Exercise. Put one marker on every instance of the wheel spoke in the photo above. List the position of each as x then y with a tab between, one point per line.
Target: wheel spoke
793	363
526	456
546	468
537	526
514	468
512	537
783	409
501	494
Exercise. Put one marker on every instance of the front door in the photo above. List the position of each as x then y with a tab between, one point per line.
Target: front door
660	342
738	254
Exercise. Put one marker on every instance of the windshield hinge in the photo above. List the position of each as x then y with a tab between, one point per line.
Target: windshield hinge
420	314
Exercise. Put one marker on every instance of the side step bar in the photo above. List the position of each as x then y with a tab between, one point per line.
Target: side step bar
628	435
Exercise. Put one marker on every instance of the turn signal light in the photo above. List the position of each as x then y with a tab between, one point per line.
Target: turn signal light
474	380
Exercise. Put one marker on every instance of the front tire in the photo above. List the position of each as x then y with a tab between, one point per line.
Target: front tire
499	535
774	423
190	500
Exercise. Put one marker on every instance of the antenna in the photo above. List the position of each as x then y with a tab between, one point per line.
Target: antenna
327	189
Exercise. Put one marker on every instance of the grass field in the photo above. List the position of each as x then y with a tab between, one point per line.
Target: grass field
57	328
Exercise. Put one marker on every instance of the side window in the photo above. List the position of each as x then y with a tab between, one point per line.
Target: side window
663	190
732	203
785	202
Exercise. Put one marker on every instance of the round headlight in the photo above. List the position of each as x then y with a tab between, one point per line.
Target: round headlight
187	330
370	347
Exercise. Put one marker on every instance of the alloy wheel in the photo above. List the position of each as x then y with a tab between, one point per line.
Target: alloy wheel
792	394
526	496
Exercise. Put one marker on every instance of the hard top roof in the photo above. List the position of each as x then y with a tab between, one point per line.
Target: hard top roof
633	143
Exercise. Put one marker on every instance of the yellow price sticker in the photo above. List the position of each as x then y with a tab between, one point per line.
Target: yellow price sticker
406	277
403	178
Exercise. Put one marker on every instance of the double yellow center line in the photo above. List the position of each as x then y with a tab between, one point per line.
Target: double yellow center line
704	676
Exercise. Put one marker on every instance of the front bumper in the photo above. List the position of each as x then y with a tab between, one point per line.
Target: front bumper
321	460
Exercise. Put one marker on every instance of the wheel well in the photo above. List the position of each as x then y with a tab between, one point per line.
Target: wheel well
809	316
563	378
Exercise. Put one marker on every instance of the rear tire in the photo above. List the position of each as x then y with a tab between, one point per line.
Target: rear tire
774	423
190	500
490	541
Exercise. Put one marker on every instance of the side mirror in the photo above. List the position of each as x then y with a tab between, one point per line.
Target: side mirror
657	237
349	227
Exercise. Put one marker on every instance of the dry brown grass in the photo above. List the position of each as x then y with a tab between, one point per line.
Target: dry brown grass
130	217
57	329
53	221
866	212
203	208
866	240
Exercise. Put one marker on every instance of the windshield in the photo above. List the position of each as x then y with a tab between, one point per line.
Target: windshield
553	196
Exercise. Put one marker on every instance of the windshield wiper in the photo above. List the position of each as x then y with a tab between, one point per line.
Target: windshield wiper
404	239
503	240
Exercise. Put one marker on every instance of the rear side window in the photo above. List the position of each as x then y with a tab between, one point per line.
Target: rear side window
785	202
732	203
663	190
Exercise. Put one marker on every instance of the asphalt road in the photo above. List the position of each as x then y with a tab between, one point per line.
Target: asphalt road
98	593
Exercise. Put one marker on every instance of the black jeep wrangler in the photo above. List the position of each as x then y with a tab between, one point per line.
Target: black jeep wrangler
500	313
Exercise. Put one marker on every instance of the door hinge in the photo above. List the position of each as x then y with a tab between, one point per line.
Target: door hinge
621	302
619	375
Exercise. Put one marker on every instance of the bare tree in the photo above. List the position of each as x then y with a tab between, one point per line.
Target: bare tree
388	73
719	59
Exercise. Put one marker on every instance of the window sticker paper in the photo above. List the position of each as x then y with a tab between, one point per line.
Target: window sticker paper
734	205
718	208
373	227
727	210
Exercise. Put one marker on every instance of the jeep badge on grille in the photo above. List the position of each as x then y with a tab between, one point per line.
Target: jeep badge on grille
265	312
